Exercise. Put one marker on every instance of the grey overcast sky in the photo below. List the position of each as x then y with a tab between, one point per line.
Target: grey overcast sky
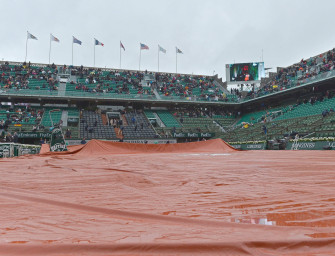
211	33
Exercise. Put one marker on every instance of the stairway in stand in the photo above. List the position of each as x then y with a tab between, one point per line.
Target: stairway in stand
124	120
104	119
119	136
61	89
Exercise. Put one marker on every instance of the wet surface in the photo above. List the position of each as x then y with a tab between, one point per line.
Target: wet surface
197	198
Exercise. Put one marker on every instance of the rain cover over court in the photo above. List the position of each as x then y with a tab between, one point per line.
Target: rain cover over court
202	198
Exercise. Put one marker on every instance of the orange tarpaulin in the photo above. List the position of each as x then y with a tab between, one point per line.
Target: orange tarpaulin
204	198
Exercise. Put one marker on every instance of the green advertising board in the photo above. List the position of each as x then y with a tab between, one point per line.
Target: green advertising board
6	150
34	135
297	145
29	149
13	149
57	142
311	145
251	146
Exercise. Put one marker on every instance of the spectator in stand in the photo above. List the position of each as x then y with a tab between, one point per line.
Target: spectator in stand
68	134
15	137
299	73
325	113
264	129
9	137
120	132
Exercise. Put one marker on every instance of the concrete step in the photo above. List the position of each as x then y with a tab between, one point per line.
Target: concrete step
64	117
118	133
61	89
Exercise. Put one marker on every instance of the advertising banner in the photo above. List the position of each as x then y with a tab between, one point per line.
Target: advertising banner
193	135
258	146
57	142
34	135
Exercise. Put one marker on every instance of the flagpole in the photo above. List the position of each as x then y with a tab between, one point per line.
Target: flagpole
50	49
262	55
25	59
120	54
94	55
176	59
158	58
72	50
139	65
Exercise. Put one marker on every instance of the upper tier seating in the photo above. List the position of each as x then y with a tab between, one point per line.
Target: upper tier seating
89	82
110	84
176	86
27	78
299	73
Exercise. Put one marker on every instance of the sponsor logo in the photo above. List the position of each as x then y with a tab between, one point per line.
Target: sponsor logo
5	151
57	141
56	130
58	146
33	135
193	135
256	146
150	141
25	151
303	145
77	142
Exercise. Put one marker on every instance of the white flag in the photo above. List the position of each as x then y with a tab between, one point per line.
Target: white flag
53	38
30	36
161	49
178	51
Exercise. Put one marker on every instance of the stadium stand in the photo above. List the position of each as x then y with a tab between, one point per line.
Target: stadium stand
305	71
26	77
89	82
138	126
190	87
51	116
92	127
309	116
308	112
109	83
168	119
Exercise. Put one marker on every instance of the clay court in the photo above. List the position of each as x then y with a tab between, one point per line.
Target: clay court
202	198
